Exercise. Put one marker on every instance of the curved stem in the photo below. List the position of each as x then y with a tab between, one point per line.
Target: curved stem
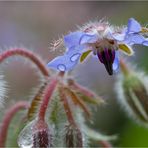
25	53
46	98
47	95
77	101
7	119
84	90
66	107
70	116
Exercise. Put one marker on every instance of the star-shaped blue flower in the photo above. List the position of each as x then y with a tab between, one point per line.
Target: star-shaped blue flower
103	41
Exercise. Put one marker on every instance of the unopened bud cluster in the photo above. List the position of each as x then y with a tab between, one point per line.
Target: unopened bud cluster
132	89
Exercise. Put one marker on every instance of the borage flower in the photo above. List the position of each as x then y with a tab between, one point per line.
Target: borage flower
104	41
133	34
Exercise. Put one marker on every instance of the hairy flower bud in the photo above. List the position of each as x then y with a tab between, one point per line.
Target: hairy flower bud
41	135
73	137
35	134
133	94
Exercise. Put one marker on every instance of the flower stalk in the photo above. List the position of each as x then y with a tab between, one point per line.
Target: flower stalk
28	54
46	98
77	101
7	119
91	96
66	107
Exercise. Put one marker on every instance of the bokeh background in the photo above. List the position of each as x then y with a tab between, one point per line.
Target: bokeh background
34	25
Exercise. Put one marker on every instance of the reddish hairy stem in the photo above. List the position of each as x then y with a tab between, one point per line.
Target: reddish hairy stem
81	88
27	54
46	98
61	73
77	101
7	119
105	144
69	114
66	107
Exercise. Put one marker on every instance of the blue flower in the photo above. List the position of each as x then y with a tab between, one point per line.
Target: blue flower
103	41
133	34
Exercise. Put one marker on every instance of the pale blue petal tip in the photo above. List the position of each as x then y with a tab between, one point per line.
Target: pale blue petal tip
145	43
73	39
116	64
133	26
136	39
78	38
88	38
119	37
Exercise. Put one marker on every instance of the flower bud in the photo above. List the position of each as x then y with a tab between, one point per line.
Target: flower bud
133	94
73	137
41	135
35	134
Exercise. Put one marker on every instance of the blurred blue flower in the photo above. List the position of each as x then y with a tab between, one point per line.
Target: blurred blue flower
133	34
104	41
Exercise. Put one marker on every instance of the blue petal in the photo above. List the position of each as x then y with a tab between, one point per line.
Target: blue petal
66	62
76	49
136	39
145	43
116	63
133	26
88	38
77	38
119	36
73	39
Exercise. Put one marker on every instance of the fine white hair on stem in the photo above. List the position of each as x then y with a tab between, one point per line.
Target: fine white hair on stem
2	91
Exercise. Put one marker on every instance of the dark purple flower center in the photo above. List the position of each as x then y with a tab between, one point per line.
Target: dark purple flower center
107	57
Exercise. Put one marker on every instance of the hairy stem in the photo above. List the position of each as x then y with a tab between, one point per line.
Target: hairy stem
47	95
77	101
7	119
25	53
46	98
70	119
66	107
81	88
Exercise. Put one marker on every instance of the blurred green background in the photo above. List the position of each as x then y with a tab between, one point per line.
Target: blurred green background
34	25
